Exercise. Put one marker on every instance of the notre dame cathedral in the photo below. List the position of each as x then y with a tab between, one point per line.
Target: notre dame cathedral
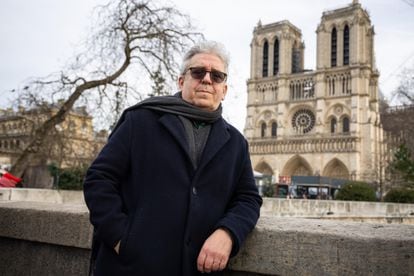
322	122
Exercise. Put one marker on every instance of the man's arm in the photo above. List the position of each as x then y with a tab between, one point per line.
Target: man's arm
102	186
239	219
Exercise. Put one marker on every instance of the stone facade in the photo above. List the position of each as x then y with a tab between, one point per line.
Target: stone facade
72	143
316	122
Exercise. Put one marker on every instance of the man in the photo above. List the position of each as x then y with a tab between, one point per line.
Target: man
172	192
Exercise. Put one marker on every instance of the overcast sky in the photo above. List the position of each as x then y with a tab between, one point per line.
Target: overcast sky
38	36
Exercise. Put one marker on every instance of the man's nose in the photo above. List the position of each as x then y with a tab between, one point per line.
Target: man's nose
207	78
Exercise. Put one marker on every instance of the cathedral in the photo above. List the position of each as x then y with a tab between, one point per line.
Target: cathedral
322	122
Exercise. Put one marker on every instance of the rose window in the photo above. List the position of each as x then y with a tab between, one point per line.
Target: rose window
303	121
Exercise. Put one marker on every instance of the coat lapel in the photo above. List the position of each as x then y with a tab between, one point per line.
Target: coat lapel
218	137
173	124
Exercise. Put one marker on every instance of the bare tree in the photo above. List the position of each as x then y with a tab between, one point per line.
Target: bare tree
130	37
405	90
409	2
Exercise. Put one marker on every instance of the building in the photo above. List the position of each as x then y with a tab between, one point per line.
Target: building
322	122
72	143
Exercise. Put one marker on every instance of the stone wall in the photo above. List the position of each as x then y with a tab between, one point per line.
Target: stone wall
54	239
326	209
384	212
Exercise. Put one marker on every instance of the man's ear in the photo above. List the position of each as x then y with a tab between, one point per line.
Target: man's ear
224	91
181	82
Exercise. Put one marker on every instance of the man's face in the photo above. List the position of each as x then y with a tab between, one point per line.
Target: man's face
203	93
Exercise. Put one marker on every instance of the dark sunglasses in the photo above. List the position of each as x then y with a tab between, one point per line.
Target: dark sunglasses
199	73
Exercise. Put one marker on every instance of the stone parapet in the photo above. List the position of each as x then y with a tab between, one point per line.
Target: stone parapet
54	239
299	246
328	209
280	207
42	195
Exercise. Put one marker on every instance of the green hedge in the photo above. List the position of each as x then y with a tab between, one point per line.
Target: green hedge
68	178
356	191
400	195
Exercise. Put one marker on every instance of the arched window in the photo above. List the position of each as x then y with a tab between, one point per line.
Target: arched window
295	59
265	59
276	57
345	125
333	125
274	129
333	47
263	130
346	45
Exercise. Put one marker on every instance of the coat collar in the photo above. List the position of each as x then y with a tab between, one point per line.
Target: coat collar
218	137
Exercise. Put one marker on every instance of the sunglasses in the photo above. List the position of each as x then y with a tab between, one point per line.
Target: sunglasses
199	73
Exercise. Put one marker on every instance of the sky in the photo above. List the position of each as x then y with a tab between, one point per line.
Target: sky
39	36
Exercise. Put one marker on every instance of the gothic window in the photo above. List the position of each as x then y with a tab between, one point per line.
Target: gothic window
292	91
344	84
263	130
274	129
265	59
346	45
345	125
333	125
295	60
348	84
303	121
333	47
331	83
276	57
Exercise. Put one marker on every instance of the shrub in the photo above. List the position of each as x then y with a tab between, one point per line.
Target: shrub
268	190
68	178
356	191
400	195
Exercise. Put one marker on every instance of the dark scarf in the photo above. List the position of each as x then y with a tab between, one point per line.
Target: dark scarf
174	104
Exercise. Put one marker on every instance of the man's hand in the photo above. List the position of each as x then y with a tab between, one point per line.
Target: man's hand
215	252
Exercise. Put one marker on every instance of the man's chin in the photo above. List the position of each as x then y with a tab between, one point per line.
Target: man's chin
203	105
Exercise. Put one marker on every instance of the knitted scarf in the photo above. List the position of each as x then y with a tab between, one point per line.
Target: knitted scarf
174	104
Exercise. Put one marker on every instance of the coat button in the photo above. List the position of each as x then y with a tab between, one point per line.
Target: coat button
194	190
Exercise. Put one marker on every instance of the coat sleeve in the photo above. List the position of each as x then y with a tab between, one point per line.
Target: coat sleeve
244	208
103	182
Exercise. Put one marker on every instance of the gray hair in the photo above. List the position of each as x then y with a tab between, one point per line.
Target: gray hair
206	47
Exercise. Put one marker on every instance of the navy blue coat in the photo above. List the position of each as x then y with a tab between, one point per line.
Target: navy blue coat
143	190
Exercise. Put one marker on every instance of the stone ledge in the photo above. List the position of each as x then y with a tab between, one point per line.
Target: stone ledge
60	224
335	208
300	246
42	195
278	246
